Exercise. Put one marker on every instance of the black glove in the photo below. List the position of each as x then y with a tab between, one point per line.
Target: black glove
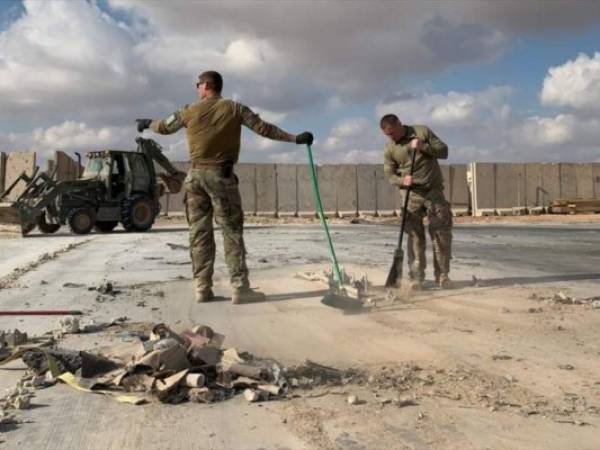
142	124
304	138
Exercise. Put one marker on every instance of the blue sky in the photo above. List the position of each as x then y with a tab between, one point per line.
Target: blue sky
499	81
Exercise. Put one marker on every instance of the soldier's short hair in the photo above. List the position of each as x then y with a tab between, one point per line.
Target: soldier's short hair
389	119
213	79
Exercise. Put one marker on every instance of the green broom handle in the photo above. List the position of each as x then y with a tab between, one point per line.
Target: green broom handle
319	204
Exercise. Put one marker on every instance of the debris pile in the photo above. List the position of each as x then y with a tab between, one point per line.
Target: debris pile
106	291
72	325
562	298
161	364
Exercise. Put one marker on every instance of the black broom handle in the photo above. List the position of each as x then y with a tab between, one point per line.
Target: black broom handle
412	168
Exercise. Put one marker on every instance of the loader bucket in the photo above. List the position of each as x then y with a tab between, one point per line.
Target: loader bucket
11	222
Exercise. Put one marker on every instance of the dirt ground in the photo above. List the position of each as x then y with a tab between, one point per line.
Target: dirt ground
508	359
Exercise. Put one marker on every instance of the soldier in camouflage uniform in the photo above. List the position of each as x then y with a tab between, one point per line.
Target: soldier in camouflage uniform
426	195
213	125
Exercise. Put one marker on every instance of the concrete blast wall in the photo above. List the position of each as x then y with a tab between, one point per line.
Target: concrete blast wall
509	188
17	163
347	190
351	190
2	170
66	167
457	189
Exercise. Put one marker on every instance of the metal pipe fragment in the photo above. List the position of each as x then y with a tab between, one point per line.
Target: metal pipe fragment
246	370
58	312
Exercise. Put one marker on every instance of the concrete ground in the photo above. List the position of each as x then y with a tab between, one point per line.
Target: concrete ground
495	363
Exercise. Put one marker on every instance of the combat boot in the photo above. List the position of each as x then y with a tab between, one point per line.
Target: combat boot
204	295
247	295
443	281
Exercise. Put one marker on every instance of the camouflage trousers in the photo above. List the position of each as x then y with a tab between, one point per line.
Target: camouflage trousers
433	205
209	193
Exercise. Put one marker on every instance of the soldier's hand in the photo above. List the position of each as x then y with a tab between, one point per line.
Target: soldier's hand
415	144
142	124
305	138
407	181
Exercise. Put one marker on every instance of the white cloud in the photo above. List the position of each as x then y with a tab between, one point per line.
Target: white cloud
246	56
65	57
354	140
575	84
453	109
73	136
560	130
352	133
78	135
270	116
73	75
542	131
68	136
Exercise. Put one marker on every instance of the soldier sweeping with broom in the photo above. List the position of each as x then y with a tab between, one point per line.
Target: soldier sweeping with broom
410	162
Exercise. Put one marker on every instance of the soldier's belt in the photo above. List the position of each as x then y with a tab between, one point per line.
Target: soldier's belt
210	164
226	168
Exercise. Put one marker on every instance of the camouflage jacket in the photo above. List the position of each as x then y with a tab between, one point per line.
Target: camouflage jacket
397	159
214	127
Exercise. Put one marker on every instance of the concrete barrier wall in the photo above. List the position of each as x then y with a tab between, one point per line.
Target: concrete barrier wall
510	186
347	189
328	187
584	177
459	196
366	191
17	163
385	193
2	170
596	179
551	183
568	180
246	174
529	187
306	202
534	186
287	189
483	188
66	167
266	190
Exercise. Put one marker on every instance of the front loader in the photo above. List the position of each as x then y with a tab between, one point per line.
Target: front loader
115	187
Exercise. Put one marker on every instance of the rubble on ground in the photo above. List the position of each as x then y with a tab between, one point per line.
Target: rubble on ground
72	325
563	298
151	362
158	363
177	246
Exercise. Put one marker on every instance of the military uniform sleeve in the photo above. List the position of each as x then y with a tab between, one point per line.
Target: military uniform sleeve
252	120
433	146
171	124
390	170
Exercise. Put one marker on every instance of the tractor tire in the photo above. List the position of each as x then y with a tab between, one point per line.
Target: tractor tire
28	228
106	226
138	213
81	220
45	227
